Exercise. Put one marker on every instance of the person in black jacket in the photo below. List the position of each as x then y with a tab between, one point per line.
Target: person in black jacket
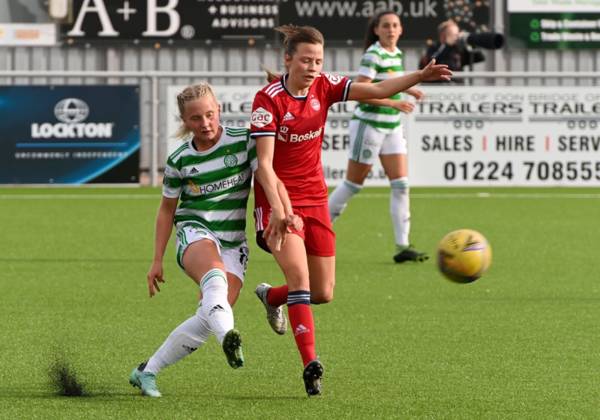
451	49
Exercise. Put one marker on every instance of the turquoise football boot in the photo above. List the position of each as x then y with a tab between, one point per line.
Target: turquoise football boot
146	381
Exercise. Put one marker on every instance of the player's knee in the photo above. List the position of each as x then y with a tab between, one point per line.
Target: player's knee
214	281
353	187
399	186
321	297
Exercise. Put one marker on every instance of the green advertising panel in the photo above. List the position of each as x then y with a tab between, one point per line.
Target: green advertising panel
556	30
557	24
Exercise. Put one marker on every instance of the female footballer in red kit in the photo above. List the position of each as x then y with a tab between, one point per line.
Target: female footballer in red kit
288	121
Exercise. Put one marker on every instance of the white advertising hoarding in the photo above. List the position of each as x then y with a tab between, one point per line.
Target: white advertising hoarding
506	136
465	136
553	6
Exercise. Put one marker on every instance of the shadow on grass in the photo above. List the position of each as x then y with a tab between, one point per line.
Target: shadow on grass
120	395
49	395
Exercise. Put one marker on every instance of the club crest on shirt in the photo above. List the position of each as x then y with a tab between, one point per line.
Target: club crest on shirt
230	161
282	133
261	117
315	104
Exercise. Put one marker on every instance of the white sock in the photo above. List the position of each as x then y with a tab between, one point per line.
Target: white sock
340	196
400	210
184	339
215	308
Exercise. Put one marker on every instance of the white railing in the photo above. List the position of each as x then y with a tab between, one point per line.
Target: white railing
153	78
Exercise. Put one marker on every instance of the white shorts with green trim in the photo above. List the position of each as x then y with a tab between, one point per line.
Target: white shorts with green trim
367	143
234	259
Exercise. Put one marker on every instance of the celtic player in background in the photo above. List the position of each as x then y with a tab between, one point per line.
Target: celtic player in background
210	176
376	131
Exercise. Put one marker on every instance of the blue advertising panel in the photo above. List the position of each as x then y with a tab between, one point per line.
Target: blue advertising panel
69	134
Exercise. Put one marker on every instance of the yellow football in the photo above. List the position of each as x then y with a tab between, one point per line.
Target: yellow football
464	255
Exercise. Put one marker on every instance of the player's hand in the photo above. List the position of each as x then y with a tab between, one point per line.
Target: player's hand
403	106
293	221
155	276
433	72
275	232
418	94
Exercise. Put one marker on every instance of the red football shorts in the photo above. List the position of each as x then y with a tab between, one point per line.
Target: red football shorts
318	236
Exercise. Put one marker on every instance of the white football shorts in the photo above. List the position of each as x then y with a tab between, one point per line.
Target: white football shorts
234	259
367	143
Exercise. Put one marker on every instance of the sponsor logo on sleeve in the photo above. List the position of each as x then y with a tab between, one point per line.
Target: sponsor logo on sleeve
261	117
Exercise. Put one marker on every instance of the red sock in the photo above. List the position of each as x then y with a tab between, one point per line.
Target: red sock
303	326
277	296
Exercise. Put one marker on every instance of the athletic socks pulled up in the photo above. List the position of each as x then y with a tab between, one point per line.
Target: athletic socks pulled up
213	316
338	200
277	296
302	322
184	340
214	307
400	210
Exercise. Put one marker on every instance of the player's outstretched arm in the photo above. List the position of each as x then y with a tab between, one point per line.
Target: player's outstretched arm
386	88
377	102
164	225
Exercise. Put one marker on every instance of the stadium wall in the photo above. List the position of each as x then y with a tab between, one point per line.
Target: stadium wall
235	59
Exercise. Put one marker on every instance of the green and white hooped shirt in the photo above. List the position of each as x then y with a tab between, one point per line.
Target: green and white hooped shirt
379	64
213	185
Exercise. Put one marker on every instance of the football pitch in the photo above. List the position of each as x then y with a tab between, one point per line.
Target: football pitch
398	341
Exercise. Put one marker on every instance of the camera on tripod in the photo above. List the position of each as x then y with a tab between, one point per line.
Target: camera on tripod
487	40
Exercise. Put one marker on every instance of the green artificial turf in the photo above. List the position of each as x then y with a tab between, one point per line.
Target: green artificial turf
398	341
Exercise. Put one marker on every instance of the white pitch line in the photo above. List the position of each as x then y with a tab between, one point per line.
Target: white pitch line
535	196
434	196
